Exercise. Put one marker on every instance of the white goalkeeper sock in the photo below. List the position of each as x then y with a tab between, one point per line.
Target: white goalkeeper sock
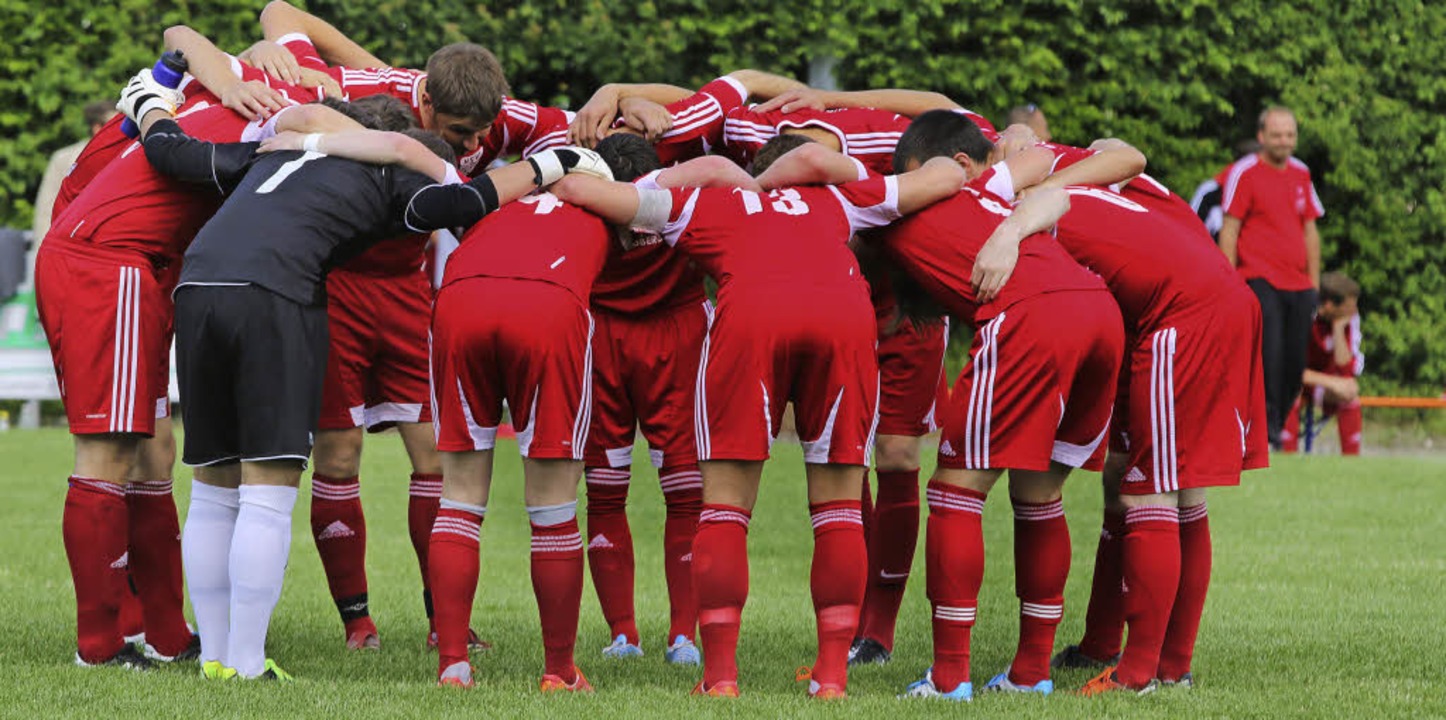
205	554
259	550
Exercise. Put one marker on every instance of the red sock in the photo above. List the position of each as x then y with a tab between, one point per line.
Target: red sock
720	579
1290	433
340	530
1041	567
155	564
1152	577
836	580
1348	419
94	530
423	494
557	583
132	618
1195	558
1105	619
891	553
954	570
610	549
866	507
452	561
683	493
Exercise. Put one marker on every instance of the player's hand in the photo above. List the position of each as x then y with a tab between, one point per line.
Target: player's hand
253	99
993	266
593	121
550	165
274	60
317	79
143	95
646	117
1345	390
282	141
795	100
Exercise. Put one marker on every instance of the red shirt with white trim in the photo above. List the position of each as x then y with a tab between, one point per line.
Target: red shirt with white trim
1321	354
698	121
1273	205
535	238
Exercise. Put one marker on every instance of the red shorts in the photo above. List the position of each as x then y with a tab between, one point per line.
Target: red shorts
108	318
525	342
911	378
1039	386
376	372
1191	411
763	351
644	374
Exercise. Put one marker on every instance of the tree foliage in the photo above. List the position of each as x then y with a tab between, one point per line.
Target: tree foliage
1182	79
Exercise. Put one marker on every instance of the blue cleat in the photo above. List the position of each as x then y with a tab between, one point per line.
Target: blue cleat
621	648
682	652
1002	683
925	689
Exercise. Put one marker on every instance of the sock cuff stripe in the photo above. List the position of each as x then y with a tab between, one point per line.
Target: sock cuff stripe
694	474
1041	610
954	614
1193	513
473	535
723	516
604	482
681	482
457	522
425	483
427	493
954	491
335	492
852	516
946	501
1152	514
100	486
607	473
556	543
1039	511
149	487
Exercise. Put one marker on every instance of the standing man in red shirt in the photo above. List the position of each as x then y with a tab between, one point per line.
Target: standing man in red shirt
1270	235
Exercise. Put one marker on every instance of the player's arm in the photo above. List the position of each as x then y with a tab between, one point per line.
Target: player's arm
593	122
175	154
909	103
368	146
764	85
1116	163
1312	253
615	202
214	70
705	172
436	207
279	18
812	164
995	262
1229	238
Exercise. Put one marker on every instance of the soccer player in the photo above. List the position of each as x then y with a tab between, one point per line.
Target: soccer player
1333	364
251	336
103	279
761	249
1035	397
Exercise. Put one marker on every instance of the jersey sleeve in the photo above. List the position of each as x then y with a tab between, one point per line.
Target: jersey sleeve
744	132
680	216
175	154
521	128
698	120
1236	196
869	203
1313	207
400	83
301	46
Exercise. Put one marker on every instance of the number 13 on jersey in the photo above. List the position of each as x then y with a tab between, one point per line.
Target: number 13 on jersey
785	200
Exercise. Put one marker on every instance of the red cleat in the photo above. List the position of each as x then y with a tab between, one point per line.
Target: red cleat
723	689
553	683
361	634
457	675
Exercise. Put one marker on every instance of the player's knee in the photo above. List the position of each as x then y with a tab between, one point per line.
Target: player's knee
896	452
108	456
337	453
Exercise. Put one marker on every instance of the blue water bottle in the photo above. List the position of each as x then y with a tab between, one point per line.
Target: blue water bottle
168	71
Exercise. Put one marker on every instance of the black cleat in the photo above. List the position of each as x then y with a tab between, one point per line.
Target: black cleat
190	653
127	659
867	651
1072	658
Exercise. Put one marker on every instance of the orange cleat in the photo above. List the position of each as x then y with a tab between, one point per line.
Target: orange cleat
457	675
722	688
553	683
817	690
1107	682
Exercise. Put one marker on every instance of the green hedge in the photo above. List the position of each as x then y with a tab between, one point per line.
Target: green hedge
1182	79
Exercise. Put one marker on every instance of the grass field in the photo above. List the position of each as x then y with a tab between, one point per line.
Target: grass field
1328	600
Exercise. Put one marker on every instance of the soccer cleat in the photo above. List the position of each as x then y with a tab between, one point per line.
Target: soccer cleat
926	689
1184	682
214	670
127	659
192	651
621	648
683	652
553	683
457	675
1002	683
1107	682
1072	658
475	643
722	689
361	634
867	651
272	671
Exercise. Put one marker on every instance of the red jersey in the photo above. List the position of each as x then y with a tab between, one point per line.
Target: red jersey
131	207
868	135
938	245
1273	205
649	276
1320	356
535	238
794	238
1150	266
699	121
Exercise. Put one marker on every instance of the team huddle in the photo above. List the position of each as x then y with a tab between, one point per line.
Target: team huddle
273	216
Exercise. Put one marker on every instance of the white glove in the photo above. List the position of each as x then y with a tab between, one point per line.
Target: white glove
143	94
551	165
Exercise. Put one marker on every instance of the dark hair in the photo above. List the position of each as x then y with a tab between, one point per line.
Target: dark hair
941	133
780	145
96	113
365	117
434	142
391	113
628	156
465	80
1337	287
